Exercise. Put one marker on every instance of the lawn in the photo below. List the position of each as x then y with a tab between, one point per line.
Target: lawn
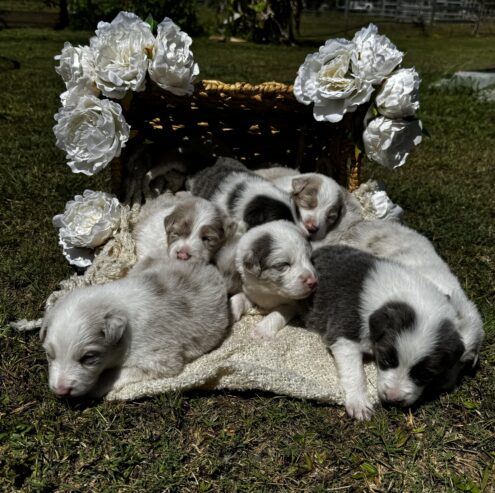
227	441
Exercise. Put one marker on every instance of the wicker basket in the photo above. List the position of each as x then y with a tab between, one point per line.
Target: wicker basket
256	124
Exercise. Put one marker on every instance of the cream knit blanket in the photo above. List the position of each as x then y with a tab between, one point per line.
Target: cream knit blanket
295	363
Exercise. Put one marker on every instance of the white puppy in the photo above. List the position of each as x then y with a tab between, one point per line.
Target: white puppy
395	241
142	327
364	304
274	262
186	228
247	198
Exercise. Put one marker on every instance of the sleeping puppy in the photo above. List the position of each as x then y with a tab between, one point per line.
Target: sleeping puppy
400	243
186	228
145	326
247	198
318	198
364	304
274	263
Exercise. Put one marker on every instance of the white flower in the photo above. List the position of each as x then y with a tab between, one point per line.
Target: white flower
325	80
399	94
384	207
91	133
121	54
375	56
389	142
75	62
172	66
88	221
84	87
76	67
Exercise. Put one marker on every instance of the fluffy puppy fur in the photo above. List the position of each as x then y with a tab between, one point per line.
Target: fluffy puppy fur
318	198
364	304
400	243
186	228
142	327
274	263
247	198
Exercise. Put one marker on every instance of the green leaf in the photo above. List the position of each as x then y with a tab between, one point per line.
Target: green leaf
149	20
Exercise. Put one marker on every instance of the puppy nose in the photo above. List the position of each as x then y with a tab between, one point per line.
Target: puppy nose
183	254
61	390
310	281
311	226
393	396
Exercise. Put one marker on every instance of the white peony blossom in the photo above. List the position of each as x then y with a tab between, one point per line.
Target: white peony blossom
172	65
91	133
375	56
84	87
389	142
399	94
121	54
384	207
88	222
75	62
76	67
325	79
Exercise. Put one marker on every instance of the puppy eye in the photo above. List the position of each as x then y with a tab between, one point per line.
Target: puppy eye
90	358
282	266
208	239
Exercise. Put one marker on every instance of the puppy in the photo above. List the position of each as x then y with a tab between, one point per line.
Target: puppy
389	239
318	198
364	304
247	198
274	263
145	326
186	228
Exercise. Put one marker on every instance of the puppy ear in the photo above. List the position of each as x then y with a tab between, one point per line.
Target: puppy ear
299	184
115	325
251	263
392	317
333	214
169	221
230	228
450	345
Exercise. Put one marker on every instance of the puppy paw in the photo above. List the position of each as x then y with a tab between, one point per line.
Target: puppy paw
264	331
360	409
239	305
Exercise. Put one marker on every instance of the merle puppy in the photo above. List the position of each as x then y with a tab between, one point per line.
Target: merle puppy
365	304
248	198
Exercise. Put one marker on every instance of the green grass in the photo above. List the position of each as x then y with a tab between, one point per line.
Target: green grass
225	441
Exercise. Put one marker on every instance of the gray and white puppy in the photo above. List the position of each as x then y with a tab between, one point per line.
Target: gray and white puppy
182	227
145	326
391	240
247	198
364	304
274	263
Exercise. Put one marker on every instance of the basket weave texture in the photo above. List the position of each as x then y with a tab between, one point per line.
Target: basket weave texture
260	125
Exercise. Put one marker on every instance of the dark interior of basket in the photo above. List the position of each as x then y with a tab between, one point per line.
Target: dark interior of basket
259	130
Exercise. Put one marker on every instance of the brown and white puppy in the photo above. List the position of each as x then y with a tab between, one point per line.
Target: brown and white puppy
318	198
145	326
274	263
185	227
